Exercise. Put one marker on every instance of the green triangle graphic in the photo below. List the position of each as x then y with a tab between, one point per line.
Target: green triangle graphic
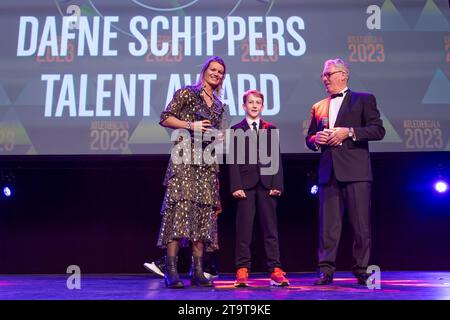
87	11
438	91
391	19
432	19
147	131
391	134
12	125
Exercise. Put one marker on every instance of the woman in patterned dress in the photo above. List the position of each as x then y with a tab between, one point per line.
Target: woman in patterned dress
191	202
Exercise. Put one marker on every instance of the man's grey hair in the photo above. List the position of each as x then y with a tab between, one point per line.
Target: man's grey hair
339	63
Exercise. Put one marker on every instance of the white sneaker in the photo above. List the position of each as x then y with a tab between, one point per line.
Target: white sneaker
210	276
152	267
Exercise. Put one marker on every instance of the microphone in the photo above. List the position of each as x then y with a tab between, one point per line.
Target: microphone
325	123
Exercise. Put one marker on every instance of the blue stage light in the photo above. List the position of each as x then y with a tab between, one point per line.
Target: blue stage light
441	186
7	191
314	189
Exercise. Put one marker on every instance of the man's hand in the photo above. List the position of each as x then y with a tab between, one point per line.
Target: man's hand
337	136
239	194
321	138
275	193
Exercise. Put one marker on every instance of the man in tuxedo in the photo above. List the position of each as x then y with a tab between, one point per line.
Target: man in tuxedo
341	126
256	187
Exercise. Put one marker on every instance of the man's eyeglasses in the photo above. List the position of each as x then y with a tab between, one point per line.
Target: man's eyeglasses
329	74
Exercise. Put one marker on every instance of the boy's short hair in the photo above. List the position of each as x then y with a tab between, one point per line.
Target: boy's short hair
252	92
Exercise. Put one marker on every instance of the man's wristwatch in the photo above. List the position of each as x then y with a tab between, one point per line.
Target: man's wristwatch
351	133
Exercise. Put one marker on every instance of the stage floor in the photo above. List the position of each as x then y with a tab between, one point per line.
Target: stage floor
410	285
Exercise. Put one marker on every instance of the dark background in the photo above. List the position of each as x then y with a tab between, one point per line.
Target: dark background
102	214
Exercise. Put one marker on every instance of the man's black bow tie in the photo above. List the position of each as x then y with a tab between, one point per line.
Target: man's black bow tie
338	94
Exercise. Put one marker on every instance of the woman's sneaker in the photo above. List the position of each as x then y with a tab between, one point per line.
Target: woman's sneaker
157	267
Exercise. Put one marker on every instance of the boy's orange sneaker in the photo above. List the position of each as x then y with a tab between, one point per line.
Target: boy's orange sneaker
278	279
241	278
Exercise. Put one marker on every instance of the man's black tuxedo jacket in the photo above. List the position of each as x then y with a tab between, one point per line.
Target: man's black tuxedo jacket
351	160
246	176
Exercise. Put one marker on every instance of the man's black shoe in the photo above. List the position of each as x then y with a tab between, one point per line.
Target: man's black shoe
362	278
324	279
